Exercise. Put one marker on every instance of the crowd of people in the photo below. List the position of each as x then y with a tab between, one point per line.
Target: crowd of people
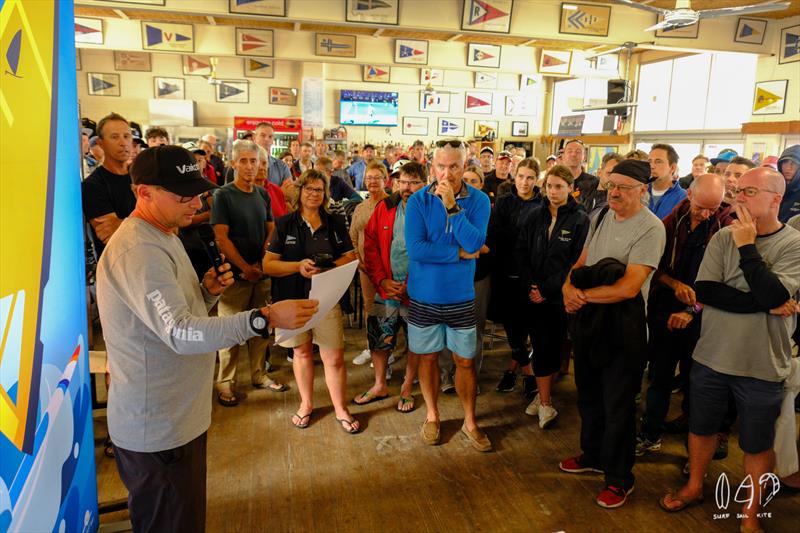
634	272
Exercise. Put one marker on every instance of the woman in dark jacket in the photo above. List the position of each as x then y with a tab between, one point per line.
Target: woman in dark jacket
509	296
551	241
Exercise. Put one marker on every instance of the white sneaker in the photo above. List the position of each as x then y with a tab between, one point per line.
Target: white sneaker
547	414
363	357
533	407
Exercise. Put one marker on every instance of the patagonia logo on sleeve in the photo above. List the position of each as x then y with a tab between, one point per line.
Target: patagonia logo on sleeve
165	312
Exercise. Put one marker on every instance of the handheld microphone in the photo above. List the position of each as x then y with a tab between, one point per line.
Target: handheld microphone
206	233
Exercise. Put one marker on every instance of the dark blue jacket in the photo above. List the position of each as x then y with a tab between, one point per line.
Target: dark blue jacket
790	205
664	205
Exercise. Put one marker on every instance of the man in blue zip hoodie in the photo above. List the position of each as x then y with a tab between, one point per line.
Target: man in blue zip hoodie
789	166
445	229
665	193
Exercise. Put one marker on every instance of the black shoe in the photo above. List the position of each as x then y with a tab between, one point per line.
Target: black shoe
507	382
529	388
722	447
678	425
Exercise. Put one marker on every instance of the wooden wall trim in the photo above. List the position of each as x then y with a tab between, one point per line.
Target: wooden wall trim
786	126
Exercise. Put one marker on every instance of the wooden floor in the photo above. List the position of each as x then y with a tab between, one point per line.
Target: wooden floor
265	475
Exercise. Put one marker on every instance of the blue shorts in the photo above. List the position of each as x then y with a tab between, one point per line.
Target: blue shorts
758	403
434	327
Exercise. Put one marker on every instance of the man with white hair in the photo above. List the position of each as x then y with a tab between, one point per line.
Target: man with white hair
747	282
445	231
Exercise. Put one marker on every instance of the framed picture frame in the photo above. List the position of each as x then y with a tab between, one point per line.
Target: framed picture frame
259	67
478	102
434	102
558	62
232	91
383	12
585	19
167	37
283	96
411	51
485	80
132	61
490	16
255	42
376	74
335	45
89	30
750	31
169	88
102	84
770	97
196	65
415	125
518	105
528	81
486	129
519	128
483	55
270	8
432	76
451	127
789	45
684	32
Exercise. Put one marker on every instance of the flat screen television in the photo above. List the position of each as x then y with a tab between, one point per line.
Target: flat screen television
367	108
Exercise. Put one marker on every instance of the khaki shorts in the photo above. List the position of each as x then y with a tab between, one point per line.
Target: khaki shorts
327	334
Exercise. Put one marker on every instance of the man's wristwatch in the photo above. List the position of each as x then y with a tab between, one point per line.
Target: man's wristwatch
260	323
453	210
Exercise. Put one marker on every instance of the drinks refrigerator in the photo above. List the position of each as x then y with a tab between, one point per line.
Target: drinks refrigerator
286	130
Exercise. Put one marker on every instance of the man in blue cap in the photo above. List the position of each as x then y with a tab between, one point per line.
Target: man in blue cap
720	163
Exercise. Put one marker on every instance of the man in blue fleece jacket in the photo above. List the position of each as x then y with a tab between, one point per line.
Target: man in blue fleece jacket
445	232
665	192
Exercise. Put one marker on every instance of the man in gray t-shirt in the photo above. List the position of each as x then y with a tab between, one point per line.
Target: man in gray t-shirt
747	283
629	233
161	342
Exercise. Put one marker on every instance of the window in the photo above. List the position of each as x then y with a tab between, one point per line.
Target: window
571	94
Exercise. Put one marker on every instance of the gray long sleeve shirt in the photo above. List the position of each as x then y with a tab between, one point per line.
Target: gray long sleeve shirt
159	338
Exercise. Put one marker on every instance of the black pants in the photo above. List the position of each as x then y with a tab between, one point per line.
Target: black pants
549	326
608	416
166	489
517	318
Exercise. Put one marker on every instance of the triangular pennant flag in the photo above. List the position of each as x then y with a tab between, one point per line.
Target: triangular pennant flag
550	61
448	126
179	37
165	88
764	99
481	12
12	53
375	72
154	35
257	65
80	28
196	64
480	55
249	42
367	5
226	91
472	101
792	47
747	31
243	2
407	51
99	84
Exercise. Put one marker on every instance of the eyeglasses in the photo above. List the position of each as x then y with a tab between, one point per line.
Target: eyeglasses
314	190
373	178
181	199
751	191
610	186
452	143
408	182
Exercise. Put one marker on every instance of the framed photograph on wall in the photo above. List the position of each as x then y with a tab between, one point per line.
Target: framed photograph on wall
486	129
451	127
750	31
252	42
335	45
684	32
411	51
259	67
585	19
102	84
272	8
376	74
233	91
133	61
164	37
169	88
555	62
434	102
493	16
283	96
415	125
519	129
373	12
88	30
770	97
789	45
483	55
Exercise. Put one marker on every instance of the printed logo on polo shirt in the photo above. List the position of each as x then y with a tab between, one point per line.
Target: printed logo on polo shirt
291	239
165	312
183	169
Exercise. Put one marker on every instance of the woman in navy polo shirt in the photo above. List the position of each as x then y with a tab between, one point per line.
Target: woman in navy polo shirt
306	233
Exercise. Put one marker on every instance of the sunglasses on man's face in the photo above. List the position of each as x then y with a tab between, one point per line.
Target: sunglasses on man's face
453	143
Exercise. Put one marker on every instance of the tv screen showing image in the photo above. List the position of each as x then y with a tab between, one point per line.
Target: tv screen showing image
368	108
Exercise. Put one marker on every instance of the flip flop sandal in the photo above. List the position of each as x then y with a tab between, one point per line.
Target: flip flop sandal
269	384
300	424
369	397
108	448
684	504
227	401
404	401
350	428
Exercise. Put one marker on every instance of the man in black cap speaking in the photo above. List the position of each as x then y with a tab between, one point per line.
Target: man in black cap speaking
607	291
161	343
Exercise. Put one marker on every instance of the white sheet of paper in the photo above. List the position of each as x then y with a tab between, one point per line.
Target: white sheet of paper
327	288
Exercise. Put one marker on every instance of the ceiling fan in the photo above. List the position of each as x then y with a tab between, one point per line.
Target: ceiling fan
684	15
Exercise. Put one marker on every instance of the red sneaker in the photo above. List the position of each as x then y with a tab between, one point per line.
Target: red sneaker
577	465
612	497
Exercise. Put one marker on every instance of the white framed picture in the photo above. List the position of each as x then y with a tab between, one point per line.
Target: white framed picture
233	91
431	76
415	125
485	80
451	127
483	55
411	51
478	102
434	102
169	88
519	129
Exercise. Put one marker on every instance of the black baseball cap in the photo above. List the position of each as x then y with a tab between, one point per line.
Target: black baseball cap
486	149
632	168
171	167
